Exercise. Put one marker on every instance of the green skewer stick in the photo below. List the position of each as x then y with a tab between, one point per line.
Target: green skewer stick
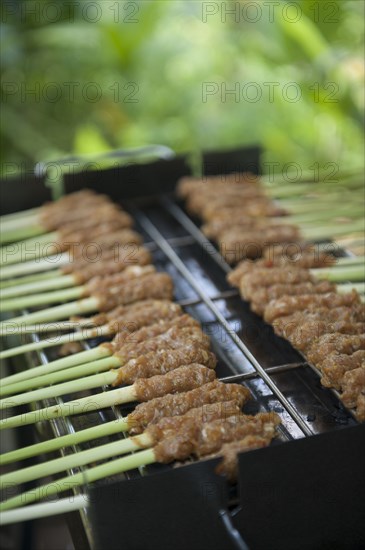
329	231
52	263
74	386
52	327
20	214
21	233
34	248
45	509
43	299
50	283
57	313
73	360
88	434
190	377
73	373
136	460
102	452
40	277
78	406
335	273
95	332
341	274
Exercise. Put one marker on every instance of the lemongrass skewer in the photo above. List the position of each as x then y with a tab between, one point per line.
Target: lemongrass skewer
45	509
74	386
85	334
78	406
138	283
74	360
136	460
127	373
50	264
190	376
88	434
37	278
101	452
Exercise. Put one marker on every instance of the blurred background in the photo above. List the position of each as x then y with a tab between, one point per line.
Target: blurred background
86	77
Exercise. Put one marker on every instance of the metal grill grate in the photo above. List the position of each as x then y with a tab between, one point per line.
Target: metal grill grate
247	348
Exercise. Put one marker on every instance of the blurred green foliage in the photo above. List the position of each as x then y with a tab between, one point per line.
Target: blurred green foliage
85	77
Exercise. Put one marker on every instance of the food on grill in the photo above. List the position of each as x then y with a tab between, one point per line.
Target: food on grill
303	258
197	433
287	305
353	389
261	297
178	404
182	379
302	328
143	415
336	365
123	319
250	244
230	451
153	286
335	343
327	326
72	207
163	361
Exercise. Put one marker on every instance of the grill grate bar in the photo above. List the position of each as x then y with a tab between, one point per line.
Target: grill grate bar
270	370
174	258
196	301
195	232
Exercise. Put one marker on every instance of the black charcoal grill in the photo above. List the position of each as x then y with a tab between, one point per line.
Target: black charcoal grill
305	490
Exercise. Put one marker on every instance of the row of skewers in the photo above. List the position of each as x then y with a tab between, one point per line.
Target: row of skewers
288	280
159	357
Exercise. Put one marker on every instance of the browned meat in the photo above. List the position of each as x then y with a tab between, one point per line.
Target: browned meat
174	338
129	311
210	438
115	280
174	405
149	314
335	365
286	305
218	225
244	267
334	343
105	268
127	338
302	328
84	267
231	196
69	208
256	208
235	246
157	286
191	422
92	234
109	213
304	260
301	254
189	185
262	297
162	362
353	385
353	314
266	277
303	336
180	380
229	452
